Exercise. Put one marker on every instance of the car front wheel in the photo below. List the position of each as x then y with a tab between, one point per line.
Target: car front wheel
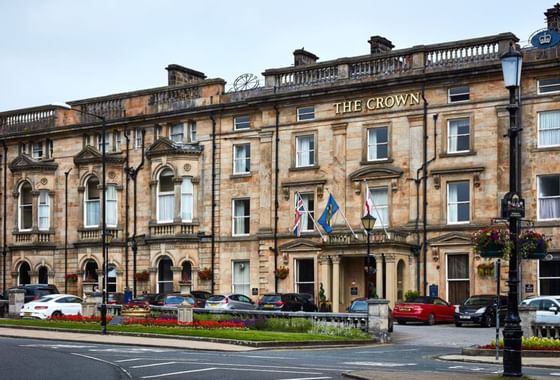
431	320
56	313
486	321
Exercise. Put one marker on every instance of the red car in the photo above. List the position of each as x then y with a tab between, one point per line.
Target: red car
429	310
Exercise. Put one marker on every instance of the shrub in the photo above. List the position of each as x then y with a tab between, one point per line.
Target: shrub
410	294
288	324
348	332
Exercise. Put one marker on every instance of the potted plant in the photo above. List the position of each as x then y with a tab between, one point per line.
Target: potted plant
532	245
205	274
282	272
485	269
492	242
142	276
72	277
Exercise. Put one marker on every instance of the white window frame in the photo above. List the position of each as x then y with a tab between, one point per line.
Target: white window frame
371	145
457	136
187	196
242	162
87	201
158	131
236	219
116	141
297	281
241	285
539	198
192	131
307	224
555	129
99	138
450	96
310	153
111	206
43	207
175	131
138	138
37	150
160	194
306	113
541	87
22	206
457	203
381	217
241	122
448	280
112	280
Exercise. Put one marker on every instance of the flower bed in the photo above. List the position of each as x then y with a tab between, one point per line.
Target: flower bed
79	318
533	343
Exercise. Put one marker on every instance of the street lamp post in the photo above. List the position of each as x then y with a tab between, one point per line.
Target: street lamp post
103	212
513	210
368	221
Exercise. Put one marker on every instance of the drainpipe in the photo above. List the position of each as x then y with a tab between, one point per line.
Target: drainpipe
66	230
126	237
276	205
134	175
4	231
213	216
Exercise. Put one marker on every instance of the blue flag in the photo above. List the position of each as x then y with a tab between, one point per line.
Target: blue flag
330	209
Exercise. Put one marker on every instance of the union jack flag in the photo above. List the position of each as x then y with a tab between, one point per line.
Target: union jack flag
300	210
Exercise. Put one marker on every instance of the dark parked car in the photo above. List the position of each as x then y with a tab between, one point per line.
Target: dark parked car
481	310
200	297
359	305
285	302
115	298
144	299
36	291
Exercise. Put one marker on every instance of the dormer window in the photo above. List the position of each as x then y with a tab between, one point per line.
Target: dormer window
458	94
306	113
241	122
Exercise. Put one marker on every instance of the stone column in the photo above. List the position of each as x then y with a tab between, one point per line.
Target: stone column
266	183
391	278
336	283
325	263
176	277
528	315
379	275
153	199
177	181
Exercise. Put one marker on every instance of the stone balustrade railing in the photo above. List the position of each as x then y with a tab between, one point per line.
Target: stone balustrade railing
546	330
171	229
27	120
375	237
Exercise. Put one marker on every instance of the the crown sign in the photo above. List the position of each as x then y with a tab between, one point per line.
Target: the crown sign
545	38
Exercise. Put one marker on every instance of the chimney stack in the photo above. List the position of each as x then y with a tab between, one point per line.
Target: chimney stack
379	45
303	57
178	75
553	18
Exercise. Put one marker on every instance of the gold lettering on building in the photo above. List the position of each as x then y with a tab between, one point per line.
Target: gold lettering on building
377	103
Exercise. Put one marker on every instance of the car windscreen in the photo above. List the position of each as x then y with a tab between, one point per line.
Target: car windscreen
426	300
483	301
46	298
216	298
359	306
271	298
174	300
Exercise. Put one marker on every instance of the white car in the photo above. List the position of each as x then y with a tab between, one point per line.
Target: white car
52	305
548	308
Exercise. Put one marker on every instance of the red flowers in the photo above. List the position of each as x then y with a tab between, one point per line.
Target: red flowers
78	318
174	322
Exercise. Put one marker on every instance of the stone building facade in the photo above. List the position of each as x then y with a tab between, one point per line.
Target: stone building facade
202	184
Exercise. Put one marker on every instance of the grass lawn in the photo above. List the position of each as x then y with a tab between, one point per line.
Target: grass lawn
220	333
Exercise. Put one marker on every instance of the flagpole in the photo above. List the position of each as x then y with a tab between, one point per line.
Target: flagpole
344	217
311	216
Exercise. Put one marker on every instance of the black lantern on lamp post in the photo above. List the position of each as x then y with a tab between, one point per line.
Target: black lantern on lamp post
513	208
368	221
103	210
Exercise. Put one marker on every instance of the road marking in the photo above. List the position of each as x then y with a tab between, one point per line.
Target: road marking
152	365
380	364
104	361
309	378
177	373
129	350
128	360
272	370
386	352
265	357
554	373
55	346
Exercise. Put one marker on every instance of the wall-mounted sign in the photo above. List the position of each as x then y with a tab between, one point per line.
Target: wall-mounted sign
377	103
353	291
529	288
545	39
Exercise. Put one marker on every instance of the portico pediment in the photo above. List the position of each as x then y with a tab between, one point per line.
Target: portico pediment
163	147
453	238
299	245
24	162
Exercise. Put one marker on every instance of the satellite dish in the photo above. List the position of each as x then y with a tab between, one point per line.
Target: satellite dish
246	82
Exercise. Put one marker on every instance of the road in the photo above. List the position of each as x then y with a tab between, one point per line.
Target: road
30	359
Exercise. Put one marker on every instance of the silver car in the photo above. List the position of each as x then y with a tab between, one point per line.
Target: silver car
548	308
230	301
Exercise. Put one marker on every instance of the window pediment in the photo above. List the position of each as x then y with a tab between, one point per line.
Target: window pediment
24	162
452	238
163	146
376	172
299	245
90	155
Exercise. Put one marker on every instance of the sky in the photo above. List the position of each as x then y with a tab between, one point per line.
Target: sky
54	51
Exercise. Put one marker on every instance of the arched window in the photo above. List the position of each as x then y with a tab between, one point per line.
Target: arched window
44	210
187	200
92	203
186	272
400	280
166	197
23	274
90	271
165	276
25	203
43	275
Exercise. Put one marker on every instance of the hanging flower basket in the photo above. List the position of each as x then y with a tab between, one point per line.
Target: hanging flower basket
142	276
532	245
72	277
205	274
282	272
485	269
492	242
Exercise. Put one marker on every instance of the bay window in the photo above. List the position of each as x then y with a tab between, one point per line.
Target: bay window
165	197
187	200
44	210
